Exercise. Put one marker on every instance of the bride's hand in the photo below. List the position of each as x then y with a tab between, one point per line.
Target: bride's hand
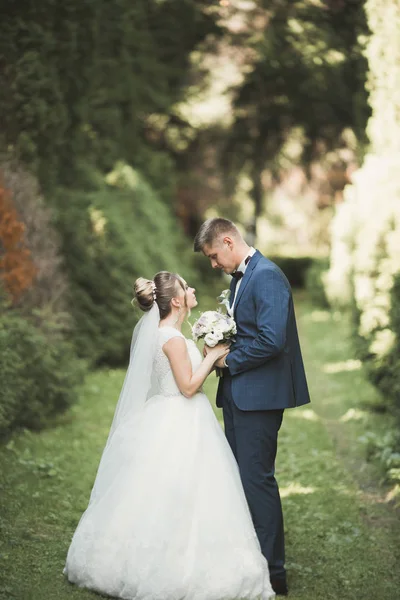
219	351
208	349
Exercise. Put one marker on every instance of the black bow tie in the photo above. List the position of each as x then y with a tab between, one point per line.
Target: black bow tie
239	274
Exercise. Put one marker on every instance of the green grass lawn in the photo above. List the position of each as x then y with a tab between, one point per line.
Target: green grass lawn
342	537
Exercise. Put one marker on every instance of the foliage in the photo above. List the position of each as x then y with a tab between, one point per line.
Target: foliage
17	270
308	73
305	272
365	261
79	85
385	373
47	290
314	282
295	268
78	80
112	234
383	449
39	370
383	53
39	373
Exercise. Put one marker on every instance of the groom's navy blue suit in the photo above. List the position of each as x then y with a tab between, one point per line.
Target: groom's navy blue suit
265	375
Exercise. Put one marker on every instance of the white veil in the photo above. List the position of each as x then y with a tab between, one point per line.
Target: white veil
137	387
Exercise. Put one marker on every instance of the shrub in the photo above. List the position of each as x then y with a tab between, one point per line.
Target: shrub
112	234
46	286
315	282
371	268
383	450
38	366
17	270
385	373
365	260
295	268
39	373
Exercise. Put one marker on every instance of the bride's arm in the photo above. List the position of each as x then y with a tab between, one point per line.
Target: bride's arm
187	381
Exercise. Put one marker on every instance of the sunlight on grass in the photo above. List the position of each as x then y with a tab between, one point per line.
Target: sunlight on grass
323	316
294	489
319	316
346	365
308	414
394	494
353	414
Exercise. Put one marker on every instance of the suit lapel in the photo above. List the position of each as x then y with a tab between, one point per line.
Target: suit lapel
246	277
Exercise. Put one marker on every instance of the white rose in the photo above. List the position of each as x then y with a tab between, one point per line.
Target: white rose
212	339
211	316
218	332
224	326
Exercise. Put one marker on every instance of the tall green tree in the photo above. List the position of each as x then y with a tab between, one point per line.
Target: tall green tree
309	73
78	78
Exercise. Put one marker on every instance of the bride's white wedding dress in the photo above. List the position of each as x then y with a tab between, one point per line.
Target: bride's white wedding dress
173	524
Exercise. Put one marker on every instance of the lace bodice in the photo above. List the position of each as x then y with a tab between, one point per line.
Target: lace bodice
164	378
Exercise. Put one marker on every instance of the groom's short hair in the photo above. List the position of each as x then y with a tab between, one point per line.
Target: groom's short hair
211	230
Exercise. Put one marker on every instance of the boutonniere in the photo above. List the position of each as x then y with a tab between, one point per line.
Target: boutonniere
223	298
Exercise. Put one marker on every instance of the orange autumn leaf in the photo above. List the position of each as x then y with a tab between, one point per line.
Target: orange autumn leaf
17	270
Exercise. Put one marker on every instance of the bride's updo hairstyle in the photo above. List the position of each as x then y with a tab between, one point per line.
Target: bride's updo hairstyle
161	289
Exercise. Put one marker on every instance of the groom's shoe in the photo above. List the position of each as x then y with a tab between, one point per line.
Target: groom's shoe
279	586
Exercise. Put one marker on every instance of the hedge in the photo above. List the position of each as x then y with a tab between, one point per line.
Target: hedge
39	374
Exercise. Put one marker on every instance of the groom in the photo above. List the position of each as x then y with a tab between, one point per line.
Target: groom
262	375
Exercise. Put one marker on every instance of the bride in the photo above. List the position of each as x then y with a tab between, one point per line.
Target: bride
167	517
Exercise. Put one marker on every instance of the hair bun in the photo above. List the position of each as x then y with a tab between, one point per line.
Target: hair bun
144	293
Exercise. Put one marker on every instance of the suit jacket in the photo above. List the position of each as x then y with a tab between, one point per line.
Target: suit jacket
265	361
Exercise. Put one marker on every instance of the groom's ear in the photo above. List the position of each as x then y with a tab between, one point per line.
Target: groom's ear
228	241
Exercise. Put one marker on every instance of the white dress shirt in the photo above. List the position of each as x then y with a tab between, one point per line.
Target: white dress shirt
242	267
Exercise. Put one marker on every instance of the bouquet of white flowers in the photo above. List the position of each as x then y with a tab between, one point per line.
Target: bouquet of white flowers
214	327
